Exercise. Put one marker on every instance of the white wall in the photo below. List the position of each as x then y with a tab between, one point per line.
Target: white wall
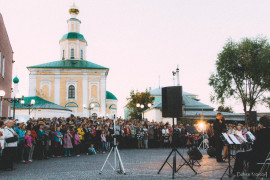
156	115
43	113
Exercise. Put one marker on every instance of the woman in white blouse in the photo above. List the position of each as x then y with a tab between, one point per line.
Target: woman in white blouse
10	148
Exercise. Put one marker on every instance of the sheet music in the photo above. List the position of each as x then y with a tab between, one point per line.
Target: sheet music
252	137
242	137
234	139
227	138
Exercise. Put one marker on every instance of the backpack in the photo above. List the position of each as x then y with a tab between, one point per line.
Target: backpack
195	154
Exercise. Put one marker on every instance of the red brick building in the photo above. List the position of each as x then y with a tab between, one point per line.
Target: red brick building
6	63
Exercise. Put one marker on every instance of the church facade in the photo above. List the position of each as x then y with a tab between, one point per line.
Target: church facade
73	82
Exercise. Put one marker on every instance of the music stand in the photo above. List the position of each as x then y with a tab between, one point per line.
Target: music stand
174	151
228	141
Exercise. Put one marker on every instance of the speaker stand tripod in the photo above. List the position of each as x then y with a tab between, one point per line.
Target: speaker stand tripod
174	151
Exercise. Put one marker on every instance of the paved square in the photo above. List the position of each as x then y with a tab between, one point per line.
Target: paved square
138	163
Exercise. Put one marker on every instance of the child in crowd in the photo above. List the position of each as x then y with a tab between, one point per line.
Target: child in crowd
92	149
77	143
68	143
27	146
103	141
139	137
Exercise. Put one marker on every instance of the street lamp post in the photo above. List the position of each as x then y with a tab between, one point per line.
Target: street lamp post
29	105
142	107
92	106
13	100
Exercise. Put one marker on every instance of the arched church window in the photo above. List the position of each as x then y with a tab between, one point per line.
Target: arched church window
71	91
72	53
63	56
81	54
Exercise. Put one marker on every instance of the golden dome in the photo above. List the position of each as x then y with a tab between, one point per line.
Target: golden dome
74	9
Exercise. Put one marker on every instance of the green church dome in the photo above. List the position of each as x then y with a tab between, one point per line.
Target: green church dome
73	35
110	95
16	80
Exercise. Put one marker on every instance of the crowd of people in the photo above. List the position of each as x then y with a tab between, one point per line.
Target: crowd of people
39	139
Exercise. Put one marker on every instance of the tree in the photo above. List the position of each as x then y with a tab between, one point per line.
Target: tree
138	98
223	108
242	72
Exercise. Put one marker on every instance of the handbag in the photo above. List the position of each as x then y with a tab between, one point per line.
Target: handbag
12	139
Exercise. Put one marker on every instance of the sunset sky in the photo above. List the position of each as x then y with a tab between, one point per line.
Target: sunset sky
139	40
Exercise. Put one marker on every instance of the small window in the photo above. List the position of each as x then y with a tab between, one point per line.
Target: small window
72	53
3	71
63	56
71	91
81	54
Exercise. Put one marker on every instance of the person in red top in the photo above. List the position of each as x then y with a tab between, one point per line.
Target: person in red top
34	136
93	131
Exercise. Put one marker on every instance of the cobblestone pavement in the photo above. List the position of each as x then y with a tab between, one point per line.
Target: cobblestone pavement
138	163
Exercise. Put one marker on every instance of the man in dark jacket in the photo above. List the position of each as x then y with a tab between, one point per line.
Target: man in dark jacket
219	128
259	151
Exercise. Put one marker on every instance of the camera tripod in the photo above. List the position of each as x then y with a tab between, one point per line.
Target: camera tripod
116	156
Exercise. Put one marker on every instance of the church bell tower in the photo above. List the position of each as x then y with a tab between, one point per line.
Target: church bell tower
73	45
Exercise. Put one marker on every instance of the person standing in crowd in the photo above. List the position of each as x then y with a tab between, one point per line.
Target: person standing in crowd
258	152
219	127
68	143
27	146
109	140
41	142
81	134
10	147
77	142
139	139
21	132
58	142
145	139
151	136
133	138
103	141
2	142
33	138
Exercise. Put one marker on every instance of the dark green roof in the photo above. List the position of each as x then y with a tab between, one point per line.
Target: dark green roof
73	35
110	95
69	64
16	80
39	104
